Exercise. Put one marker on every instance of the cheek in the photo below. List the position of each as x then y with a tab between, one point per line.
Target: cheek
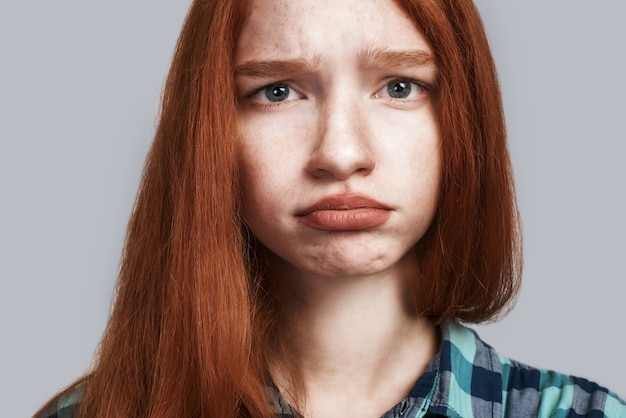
417	168
412	150
272	151
267	174
254	182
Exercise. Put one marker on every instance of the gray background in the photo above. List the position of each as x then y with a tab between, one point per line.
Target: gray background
79	91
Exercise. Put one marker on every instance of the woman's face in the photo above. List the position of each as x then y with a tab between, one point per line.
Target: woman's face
339	139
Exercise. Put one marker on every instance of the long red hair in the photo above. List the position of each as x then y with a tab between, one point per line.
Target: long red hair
192	327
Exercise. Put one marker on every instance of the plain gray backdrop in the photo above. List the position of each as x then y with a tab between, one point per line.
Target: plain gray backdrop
80	84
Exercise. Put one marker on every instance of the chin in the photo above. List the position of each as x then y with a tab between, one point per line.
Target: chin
352	263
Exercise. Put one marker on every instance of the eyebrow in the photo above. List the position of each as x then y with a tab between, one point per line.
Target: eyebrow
271	68
377	57
370	57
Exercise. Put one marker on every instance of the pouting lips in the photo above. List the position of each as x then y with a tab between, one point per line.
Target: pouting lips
346	212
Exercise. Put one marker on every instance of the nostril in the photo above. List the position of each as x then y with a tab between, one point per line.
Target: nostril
339	170
341	161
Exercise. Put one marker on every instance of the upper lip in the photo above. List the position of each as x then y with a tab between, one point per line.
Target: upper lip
343	202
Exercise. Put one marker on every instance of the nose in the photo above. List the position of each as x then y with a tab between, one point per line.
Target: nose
343	147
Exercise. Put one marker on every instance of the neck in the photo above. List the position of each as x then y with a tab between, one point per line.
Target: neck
353	338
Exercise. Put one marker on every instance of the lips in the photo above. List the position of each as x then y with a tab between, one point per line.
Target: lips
345	212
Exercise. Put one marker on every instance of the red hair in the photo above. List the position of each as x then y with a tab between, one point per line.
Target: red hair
471	257
191	329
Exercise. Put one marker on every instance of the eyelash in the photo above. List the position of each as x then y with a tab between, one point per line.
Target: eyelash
425	87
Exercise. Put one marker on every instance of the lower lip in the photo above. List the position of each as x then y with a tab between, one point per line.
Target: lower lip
346	220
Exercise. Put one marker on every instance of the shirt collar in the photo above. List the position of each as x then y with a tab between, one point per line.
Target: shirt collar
469	375
462	380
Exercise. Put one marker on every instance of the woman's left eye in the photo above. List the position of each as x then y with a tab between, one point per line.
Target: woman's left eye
401	88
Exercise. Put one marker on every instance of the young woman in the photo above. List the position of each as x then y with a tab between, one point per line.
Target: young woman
329	193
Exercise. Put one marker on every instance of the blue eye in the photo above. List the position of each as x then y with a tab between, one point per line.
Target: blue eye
399	89
277	92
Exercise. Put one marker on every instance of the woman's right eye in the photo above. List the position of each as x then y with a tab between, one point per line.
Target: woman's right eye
277	92
274	93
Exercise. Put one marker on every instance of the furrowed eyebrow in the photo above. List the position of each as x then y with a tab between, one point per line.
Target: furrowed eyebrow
374	57
273	68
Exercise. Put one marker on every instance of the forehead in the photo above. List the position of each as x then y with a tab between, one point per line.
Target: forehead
304	28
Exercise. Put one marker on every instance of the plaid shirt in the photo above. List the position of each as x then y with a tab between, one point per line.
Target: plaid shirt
469	379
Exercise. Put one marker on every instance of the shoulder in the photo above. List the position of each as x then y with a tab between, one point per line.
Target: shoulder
64	405
481	382
549	393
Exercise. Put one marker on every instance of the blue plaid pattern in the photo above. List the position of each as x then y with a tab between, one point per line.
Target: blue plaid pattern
474	381
468	379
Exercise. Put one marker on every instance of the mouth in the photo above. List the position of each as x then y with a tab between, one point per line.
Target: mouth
345	212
